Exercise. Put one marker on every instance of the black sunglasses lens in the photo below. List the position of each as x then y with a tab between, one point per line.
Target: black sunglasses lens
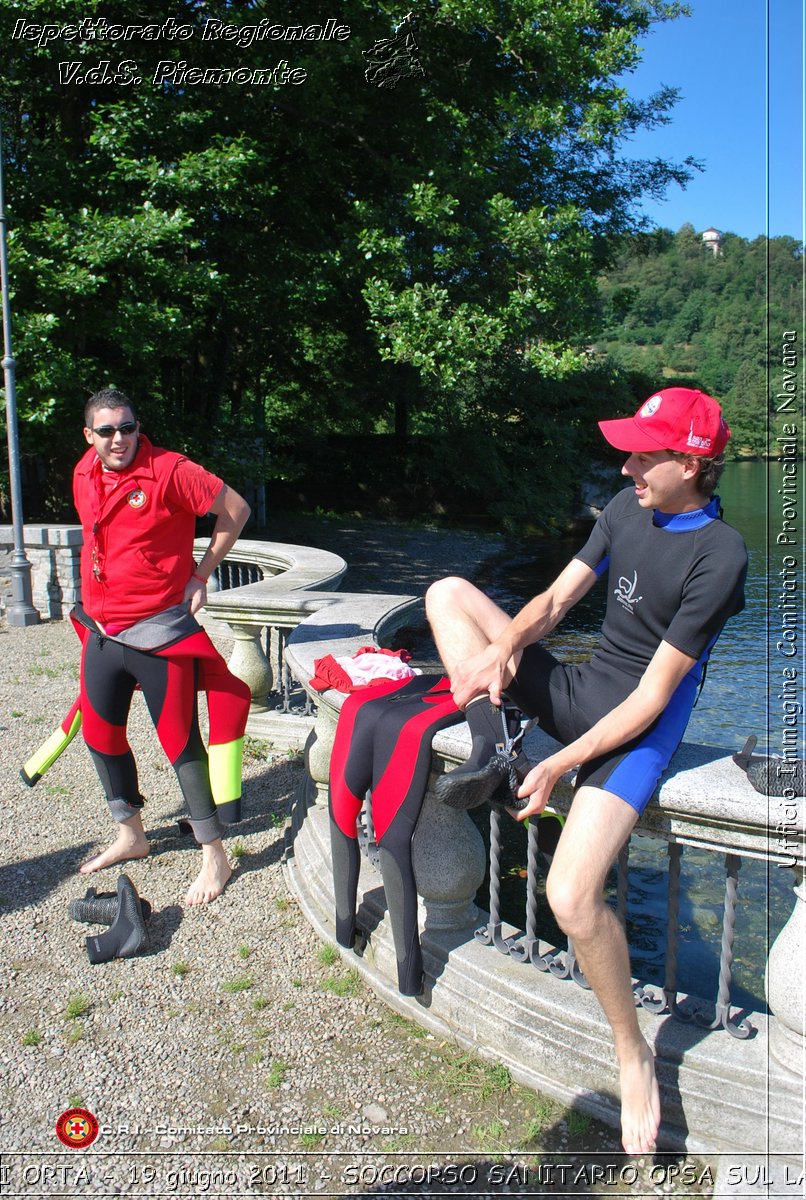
107	431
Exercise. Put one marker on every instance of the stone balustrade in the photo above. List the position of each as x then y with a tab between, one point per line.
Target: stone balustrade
53	552
720	1093
286	584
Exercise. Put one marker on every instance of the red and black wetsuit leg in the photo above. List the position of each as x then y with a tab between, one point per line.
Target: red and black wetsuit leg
228	702
110	672
383	743
106	694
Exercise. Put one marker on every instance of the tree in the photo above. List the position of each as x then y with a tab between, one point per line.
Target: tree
264	263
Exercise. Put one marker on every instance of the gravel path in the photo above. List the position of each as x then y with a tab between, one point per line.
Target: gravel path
238	1055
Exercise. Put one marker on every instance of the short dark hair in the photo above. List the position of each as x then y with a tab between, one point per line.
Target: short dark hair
106	398
709	473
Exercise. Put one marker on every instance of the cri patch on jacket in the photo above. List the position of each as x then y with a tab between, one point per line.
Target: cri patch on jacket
137	498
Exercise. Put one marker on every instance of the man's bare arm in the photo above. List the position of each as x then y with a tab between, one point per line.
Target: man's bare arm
232	513
636	713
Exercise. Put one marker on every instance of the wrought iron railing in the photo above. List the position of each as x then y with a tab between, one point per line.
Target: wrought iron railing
526	945
230	575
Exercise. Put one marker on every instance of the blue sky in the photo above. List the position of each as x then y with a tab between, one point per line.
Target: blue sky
718	58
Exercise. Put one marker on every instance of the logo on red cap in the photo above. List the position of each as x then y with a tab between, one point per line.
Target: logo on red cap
696	441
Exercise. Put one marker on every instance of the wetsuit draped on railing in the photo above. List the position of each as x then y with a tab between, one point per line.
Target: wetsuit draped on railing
383	745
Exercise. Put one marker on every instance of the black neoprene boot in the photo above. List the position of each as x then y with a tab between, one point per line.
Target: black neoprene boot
100	908
127	934
510	770
487	771
772	776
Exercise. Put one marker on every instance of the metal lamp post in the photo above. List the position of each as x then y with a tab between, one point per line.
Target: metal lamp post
20	611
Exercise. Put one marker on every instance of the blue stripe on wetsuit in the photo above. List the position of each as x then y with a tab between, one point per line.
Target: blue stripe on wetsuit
636	776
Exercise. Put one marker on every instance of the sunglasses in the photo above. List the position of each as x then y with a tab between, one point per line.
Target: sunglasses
108	431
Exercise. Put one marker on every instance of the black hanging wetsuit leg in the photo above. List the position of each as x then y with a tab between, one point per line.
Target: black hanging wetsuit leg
383	743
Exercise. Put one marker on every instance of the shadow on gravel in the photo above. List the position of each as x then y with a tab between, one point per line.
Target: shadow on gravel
258	860
162	926
573	1170
31	880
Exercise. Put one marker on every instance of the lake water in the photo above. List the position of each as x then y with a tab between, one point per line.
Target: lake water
732	705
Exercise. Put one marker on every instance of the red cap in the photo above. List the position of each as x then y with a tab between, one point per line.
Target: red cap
674	419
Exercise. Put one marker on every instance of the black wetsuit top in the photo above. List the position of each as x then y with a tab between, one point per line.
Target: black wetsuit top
670	577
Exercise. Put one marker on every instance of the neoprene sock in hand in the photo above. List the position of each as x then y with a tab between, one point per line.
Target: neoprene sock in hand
471	783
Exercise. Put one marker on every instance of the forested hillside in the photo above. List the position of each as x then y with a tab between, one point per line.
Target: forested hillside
674	311
305	268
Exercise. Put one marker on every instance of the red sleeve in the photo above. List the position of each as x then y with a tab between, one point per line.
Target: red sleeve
192	487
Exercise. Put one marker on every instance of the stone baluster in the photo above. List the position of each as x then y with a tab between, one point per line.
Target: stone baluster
249	662
318	750
448	858
784	986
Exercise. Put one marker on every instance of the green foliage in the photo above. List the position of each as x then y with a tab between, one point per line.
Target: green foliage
241	983
327	955
77	1006
263	266
343	985
277	1073
674	311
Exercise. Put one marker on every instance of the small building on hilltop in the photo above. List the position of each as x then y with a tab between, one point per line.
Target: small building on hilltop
712	238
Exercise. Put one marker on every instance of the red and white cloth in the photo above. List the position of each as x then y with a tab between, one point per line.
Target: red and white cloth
367	666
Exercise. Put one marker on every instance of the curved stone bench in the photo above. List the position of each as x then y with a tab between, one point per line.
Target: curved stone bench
717	1092
284	584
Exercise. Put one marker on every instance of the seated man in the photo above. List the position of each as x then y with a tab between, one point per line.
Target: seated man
675	574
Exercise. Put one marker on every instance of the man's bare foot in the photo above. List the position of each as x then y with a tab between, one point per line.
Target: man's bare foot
131	842
640	1102
213	877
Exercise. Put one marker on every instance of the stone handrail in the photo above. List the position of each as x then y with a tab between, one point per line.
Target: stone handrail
285	568
716	1088
261	614
53	552
291	592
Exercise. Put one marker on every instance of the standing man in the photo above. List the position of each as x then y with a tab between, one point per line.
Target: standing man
141	589
675	573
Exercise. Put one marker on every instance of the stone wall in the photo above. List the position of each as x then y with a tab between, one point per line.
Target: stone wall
53	552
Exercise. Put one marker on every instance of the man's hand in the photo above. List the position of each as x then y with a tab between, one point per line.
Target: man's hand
538	786
195	594
484	672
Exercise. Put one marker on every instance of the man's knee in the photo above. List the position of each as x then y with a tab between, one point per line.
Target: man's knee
447	595
573	902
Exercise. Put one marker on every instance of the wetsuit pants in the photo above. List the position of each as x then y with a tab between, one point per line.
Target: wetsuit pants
109	674
383	744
